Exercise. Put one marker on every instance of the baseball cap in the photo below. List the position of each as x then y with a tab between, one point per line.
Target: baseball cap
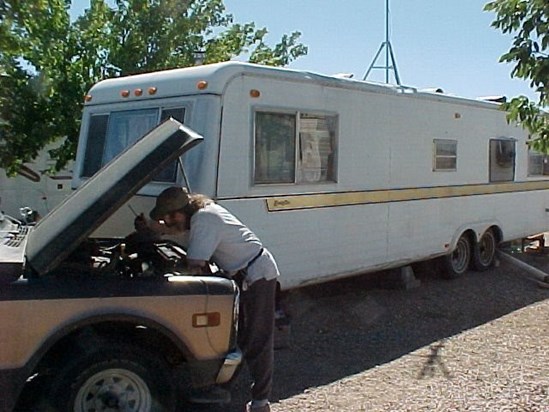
170	200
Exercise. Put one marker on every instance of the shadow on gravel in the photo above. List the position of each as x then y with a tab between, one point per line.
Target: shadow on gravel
346	327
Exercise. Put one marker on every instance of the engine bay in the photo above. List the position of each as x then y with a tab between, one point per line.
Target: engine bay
127	258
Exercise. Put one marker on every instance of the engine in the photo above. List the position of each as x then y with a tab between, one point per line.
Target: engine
131	258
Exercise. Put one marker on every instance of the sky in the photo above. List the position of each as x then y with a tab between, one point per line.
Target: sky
447	44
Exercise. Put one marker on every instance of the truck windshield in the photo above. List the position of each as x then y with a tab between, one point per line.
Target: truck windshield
109	134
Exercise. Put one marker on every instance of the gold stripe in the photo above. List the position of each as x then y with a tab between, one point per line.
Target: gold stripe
310	201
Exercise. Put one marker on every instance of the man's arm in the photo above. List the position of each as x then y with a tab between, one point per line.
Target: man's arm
198	266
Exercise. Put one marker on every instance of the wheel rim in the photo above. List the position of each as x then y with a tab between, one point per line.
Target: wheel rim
487	248
113	390
461	256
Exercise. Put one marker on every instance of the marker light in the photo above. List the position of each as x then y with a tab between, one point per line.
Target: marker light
202	85
138	92
125	93
255	93
152	90
87	98
203	320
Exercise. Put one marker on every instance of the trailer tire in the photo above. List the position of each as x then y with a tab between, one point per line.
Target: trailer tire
484	251
119	376
457	262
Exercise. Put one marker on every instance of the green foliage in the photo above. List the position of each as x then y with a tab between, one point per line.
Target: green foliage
528	22
38	87
48	62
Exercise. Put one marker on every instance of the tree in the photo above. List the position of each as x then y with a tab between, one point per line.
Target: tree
528	21
48	62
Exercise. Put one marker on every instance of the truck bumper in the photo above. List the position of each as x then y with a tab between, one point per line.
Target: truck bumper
229	367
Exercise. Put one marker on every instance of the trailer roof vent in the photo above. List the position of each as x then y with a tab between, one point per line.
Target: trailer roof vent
495	99
344	75
433	90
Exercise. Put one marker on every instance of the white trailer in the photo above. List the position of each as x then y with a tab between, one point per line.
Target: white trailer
336	176
32	188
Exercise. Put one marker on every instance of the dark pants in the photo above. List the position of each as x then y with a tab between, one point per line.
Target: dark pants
256	334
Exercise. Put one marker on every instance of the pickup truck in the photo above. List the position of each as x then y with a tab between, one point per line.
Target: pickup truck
110	324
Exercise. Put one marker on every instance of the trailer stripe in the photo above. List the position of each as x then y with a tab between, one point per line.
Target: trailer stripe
311	201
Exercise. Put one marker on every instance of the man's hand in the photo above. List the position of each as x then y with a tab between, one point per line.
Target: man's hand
140	223
144	225
145	231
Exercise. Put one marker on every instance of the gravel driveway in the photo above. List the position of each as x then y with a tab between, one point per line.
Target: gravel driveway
477	343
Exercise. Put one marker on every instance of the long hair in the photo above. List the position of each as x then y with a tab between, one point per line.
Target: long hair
197	201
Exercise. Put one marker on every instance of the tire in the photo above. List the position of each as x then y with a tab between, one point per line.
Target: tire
484	252
116	378
457	262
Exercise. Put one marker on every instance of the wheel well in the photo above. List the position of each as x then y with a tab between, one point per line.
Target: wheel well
470	236
498	233
90	337
496	230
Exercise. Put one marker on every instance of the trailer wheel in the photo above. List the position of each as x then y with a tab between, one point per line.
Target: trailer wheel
484	252
115	379
457	262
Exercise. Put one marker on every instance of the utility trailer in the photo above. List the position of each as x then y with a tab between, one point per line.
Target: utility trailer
337	176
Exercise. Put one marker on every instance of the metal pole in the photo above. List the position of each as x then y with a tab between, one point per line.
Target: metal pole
387	41
390	61
397	77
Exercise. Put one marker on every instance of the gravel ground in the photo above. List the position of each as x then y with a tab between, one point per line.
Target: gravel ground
477	343
499	366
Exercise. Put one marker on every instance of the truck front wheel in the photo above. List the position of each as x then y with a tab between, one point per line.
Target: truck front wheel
115	379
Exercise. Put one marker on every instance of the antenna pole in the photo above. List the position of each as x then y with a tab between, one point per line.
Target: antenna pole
387	42
390	61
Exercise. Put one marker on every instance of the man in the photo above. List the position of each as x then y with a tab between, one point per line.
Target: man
215	234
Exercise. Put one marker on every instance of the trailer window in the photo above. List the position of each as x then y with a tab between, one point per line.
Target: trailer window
444	155
316	148
294	148
110	134
125	128
97	131
275	148
502	160
538	163
169	173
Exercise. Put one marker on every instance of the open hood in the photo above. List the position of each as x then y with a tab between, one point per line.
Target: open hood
61	231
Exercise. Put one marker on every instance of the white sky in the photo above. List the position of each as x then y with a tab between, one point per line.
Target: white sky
437	43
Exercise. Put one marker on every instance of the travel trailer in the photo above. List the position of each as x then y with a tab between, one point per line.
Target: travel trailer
34	190
337	176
